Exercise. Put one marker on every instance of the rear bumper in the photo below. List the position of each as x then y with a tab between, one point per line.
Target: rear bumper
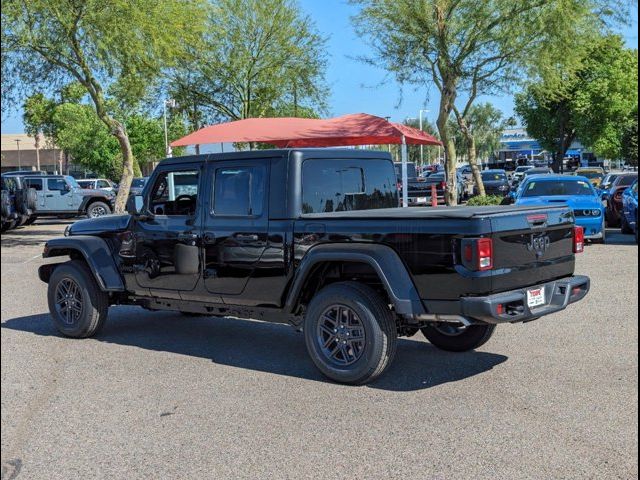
558	294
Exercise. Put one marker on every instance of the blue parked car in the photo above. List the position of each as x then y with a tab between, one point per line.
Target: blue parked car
629	217
575	191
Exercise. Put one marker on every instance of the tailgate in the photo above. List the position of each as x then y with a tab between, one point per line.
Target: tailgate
532	247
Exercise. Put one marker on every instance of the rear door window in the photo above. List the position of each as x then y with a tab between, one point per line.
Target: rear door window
341	185
239	191
35	183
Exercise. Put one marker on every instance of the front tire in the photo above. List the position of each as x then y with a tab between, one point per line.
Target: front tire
98	209
350	333
625	228
77	305
458	338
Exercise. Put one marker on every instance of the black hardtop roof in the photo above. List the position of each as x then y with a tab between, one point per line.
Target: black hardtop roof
279	152
45	176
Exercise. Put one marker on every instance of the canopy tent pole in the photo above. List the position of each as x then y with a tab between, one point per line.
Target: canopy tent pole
405	175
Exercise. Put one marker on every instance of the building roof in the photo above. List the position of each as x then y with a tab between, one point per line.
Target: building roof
27	142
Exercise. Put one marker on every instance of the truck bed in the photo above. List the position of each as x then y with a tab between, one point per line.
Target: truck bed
428	240
430	212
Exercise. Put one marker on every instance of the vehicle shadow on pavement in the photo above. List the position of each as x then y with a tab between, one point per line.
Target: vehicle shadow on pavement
23	238
265	347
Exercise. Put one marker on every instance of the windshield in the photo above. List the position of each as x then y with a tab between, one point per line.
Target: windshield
536	171
411	170
138	182
557	187
590	175
626	180
73	182
522	169
493	176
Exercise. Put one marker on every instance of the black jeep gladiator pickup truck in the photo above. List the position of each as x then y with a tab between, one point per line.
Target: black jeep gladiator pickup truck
314	238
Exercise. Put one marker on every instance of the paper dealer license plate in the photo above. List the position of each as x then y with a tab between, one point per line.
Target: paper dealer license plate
422	199
535	297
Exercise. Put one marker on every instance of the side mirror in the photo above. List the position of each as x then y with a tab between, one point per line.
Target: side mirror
135	203
67	187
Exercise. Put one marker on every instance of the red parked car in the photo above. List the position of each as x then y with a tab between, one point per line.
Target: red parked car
613	197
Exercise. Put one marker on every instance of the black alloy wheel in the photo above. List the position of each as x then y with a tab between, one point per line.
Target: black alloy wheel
69	302
350	332
341	335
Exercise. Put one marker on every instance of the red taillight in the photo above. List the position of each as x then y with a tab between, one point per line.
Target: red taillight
443	185
484	248
399	185
578	239
477	254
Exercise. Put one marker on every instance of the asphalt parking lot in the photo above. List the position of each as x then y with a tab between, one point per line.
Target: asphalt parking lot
158	395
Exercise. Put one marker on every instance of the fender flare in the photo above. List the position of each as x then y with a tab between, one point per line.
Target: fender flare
90	199
96	253
383	259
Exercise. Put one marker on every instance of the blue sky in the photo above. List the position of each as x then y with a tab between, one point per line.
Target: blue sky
357	87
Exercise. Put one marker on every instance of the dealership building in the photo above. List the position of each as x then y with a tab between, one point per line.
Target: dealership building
517	146
19	153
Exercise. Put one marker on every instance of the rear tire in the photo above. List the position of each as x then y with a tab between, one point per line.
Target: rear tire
77	305
8	225
453	338
350	333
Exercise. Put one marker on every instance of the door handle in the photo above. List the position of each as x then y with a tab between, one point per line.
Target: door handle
49	195
246	237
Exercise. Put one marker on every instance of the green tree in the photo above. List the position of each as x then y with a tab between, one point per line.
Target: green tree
87	140
38	122
630	140
147	136
118	47
259	58
594	103
471	47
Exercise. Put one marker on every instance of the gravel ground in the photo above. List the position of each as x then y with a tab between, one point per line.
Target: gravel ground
158	395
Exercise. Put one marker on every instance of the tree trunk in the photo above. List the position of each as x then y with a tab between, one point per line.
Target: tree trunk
447	98
473	162
472	156
37	142
119	132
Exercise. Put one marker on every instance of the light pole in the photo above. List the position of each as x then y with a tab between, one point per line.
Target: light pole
169	102
421	146
19	160
388	118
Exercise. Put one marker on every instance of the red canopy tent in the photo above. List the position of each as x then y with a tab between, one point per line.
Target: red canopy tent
348	130
355	129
